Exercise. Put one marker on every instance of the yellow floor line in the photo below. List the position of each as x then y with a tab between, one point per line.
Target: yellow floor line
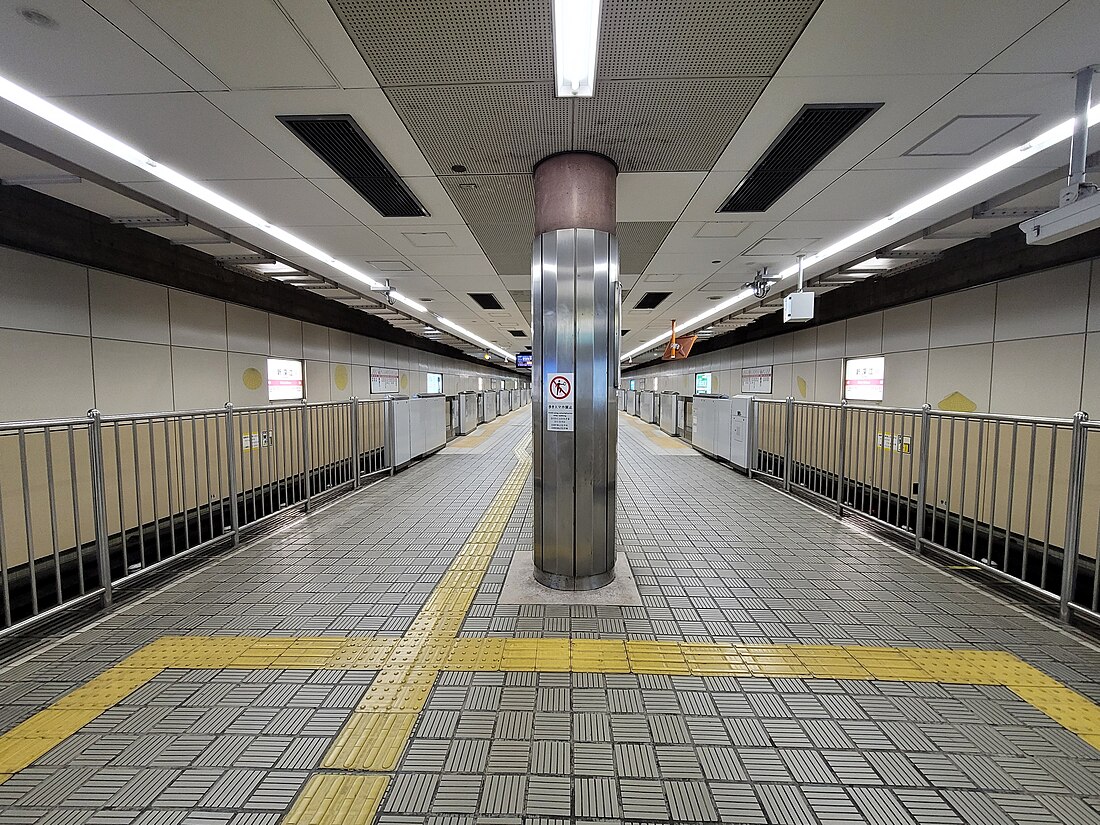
482	433
354	776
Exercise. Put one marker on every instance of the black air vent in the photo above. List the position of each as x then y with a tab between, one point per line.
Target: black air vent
651	299
517	333
623	331
813	134
485	300
339	142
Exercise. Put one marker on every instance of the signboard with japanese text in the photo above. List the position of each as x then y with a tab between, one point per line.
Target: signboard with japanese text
385	380
559	402
284	380
756	381
864	378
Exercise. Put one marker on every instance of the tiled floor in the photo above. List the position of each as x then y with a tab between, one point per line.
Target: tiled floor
734	561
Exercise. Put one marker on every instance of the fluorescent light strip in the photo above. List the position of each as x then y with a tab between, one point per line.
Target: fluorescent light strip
1006	160
576	40
82	129
475	338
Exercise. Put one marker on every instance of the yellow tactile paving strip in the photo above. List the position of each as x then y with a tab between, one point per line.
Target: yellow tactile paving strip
353	780
482	433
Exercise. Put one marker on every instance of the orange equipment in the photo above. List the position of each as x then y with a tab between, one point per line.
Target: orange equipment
678	348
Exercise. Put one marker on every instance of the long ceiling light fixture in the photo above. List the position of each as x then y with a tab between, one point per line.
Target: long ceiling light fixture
74	125
576	39
1004	161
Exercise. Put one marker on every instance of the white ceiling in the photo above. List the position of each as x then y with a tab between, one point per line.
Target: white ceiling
198	85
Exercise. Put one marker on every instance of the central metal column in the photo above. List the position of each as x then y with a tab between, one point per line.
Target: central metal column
575	317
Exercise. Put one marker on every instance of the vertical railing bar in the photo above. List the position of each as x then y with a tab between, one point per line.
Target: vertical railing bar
913	459
28	521
305	454
889	481
1011	490
277	459
137	491
922	478
209	497
4	561
170	477
962	486
231	473
1050	501
115	427
842	453
978	491
788	438
1074	493
996	428
1096	559
936	474
1030	500
54	538
255	468
156	492
99	505
74	483
182	468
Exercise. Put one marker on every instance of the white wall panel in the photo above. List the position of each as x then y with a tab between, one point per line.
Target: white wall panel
963	317
829	380
315	342
1090	385
906	379
127	309
863	335
830	341
339	346
196	321
244	388
965	370
1041	376
200	378
132	377
1046	303
906	327
53	374
286	337
803	380
43	294
248	330
318	381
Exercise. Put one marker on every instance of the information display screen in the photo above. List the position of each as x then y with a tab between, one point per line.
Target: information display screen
702	383
284	380
523	359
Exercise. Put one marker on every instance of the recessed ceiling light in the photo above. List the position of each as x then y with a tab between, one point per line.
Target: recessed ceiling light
715	298
576	39
458	167
427	300
716	262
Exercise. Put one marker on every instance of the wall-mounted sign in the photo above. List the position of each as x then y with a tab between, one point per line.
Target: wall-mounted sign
864	378
559	402
633	382
284	380
896	443
756	381
385	380
252	441
435	382
702	383
523	359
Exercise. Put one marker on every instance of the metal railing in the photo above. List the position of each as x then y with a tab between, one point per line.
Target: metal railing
89	503
1016	496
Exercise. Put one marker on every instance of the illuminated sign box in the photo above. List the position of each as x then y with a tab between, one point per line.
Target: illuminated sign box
523	359
284	380
864	378
702	383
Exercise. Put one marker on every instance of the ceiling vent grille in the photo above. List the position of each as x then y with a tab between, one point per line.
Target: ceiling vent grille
517	333
339	142
485	300
815	131
651	300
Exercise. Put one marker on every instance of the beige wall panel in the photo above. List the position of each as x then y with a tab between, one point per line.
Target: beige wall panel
1046	303
782	378
748	354
360	349
53	374
42	294
829	381
906	379
318	381
126	309
196	321
339	345
1090	386
1094	299
765	352
406	358
830	341
803	379
906	327
863	335
248	330
247	379
132	377
360	381
200	378
963	317
340	388
737	358
286	337
804	345
783	349
315	342
1041	376
964	370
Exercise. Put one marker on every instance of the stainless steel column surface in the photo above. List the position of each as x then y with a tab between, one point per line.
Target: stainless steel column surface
575	312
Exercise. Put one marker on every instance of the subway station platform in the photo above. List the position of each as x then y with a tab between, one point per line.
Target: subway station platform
357	666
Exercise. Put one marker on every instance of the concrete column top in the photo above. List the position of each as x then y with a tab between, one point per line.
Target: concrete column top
575	190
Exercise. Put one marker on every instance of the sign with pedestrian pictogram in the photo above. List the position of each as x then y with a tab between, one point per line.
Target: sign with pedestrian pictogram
559	402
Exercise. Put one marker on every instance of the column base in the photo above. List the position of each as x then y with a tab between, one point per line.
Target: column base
556	581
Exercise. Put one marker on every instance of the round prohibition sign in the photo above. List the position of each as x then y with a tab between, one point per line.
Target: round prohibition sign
559	387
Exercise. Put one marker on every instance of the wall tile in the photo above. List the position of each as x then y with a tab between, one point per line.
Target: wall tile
804	344
200	378
965	370
863	335
803	380
906	379
906	327
360	349
196	321
339	346
1046	303
286	337
963	317
318	381
315	342
829	381
127	309
1094	299
247	379
43	294
340	382
783	349
53	374
132	377
248	330
1090	386
830	341
1040	376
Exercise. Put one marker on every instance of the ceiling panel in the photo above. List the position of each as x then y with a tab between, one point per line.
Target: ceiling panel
654	196
484	199
663	125
638	241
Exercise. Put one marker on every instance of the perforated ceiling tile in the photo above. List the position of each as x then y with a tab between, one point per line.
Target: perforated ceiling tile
639	242
452	41
484	199
664	125
487	129
704	38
